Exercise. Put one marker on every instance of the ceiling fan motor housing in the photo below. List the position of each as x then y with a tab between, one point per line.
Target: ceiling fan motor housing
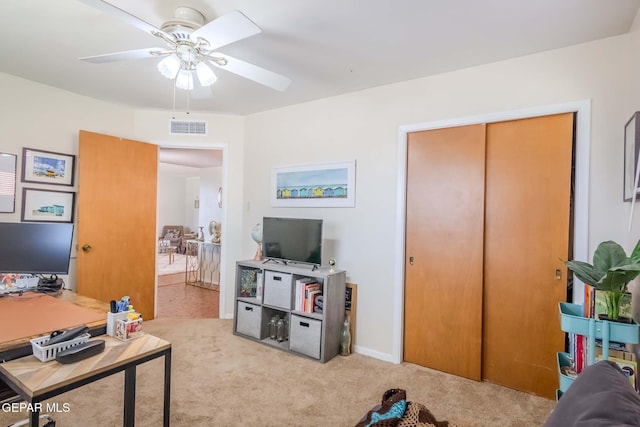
186	20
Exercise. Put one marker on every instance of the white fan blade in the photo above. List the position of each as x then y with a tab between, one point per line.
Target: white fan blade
253	72
124	16
127	54
226	29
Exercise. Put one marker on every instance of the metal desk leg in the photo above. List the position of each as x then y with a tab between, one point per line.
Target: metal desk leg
34	417
167	388
129	396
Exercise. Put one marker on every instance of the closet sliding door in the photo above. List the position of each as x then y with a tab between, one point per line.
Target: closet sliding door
444	247
528	189
487	229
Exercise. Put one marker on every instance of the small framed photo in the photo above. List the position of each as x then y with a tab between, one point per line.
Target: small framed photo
47	167
40	205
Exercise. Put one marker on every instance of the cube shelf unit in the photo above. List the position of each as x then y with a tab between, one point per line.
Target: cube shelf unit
267	289
573	321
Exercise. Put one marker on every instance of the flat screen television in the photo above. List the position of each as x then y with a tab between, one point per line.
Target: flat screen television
292	240
35	248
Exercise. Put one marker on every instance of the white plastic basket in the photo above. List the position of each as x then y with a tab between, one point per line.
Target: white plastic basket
44	352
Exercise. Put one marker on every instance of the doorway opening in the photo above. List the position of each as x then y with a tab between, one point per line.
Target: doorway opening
189	212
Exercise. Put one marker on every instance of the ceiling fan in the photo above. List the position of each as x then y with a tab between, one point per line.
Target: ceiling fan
191	45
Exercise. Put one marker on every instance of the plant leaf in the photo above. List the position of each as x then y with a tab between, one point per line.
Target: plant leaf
608	254
617	278
635	254
585	272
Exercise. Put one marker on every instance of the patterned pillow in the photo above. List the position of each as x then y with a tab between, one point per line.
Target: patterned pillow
169	235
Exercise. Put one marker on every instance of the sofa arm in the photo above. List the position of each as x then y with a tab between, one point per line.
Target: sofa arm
600	395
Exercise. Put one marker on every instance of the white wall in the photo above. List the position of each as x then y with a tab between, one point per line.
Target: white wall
192	218
33	115
364	126
210	181
172	196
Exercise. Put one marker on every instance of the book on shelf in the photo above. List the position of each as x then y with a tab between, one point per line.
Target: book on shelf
299	292
314	287
311	301
612	345
618	354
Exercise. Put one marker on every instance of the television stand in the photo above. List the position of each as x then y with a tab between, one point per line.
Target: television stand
266	294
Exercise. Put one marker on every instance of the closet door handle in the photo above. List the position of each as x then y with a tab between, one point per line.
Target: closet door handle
558	274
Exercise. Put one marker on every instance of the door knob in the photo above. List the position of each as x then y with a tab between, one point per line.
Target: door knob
558	274
411	260
86	247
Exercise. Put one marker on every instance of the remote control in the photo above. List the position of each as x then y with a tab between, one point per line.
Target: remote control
67	335
81	351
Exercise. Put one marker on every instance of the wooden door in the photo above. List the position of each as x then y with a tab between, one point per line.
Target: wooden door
444	248
528	183
117	190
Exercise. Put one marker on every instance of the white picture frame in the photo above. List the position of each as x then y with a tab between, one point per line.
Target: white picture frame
314	185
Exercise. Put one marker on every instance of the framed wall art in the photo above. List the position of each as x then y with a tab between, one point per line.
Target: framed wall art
314	185
47	167
631	150
40	205
8	164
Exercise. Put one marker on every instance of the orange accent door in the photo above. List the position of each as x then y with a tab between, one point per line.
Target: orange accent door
526	238
117	190
444	248
487	228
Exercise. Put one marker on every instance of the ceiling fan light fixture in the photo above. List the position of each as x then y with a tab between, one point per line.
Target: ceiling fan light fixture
206	77
169	66
184	80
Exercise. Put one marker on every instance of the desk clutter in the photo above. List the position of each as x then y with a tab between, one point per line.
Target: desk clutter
69	346
123	322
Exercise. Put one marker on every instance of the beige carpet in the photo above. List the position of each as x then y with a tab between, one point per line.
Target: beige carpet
178	264
223	380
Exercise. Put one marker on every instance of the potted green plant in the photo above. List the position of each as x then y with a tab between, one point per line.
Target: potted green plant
611	272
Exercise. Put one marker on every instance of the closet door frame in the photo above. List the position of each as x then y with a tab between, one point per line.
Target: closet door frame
581	198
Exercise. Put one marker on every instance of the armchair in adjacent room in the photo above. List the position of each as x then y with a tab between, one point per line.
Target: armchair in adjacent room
173	234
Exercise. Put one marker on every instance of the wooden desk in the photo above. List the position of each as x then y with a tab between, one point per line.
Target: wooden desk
22	347
37	381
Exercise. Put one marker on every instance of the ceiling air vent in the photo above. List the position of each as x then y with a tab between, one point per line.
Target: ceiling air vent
188	127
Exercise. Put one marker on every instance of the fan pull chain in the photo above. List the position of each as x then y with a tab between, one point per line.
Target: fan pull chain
174	93
188	100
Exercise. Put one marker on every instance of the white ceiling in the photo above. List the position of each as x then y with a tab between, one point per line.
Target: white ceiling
194	158
327	47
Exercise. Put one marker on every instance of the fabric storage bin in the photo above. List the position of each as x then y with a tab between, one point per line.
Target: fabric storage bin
249	316
304	335
278	289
